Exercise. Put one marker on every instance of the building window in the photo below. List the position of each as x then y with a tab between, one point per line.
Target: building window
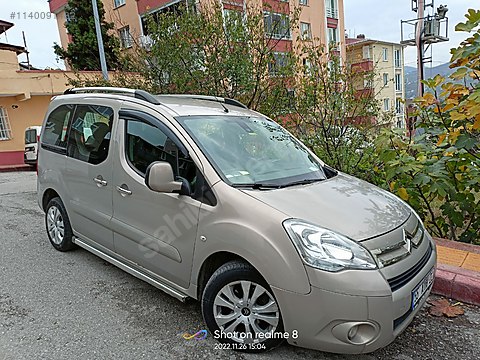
333	38
386	104
367	84
366	52
232	20
117	3
398	82
5	131
385	54
399	106
305	31
307	66
279	61
303	2
277	25
400	123
125	37
385	79
398	58
331	8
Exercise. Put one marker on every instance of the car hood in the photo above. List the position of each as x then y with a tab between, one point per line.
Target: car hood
344	204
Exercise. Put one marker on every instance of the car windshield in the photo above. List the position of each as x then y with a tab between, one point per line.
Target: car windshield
252	151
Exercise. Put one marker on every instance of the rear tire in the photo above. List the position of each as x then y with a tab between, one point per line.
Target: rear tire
238	301
58	226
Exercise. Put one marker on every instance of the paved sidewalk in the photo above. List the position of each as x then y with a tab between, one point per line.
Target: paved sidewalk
458	271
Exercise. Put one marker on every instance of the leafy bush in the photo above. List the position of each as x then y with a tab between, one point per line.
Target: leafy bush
438	169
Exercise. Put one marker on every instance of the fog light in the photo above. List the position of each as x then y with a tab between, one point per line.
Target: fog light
352	332
356	333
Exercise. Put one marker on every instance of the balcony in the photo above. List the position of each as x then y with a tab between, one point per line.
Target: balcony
366	65
364	93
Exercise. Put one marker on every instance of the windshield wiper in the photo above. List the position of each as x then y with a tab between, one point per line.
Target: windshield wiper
256	186
301	182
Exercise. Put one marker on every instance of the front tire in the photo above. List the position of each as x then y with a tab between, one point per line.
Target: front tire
58	226
240	309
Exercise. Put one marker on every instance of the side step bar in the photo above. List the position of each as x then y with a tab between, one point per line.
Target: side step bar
132	271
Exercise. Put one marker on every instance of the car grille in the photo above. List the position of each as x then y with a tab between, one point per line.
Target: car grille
393	253
398	281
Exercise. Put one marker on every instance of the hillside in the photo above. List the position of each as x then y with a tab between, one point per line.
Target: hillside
411	77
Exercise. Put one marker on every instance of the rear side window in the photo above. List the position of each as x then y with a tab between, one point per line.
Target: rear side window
55	131
30	137
90	132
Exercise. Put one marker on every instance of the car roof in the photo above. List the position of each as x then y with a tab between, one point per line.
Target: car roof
182	105
175	105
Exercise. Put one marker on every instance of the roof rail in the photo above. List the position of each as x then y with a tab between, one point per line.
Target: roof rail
219	99
138	94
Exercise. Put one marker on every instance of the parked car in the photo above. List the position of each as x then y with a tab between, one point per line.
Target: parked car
205	199
32	136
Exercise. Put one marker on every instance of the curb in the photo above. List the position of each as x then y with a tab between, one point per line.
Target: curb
456	282
13	168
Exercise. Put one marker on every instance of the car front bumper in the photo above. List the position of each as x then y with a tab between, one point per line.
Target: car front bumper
362	300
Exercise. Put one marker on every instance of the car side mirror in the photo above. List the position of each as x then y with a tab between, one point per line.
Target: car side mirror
159	178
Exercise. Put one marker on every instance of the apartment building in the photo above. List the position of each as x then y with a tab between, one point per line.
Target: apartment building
323	19
387	61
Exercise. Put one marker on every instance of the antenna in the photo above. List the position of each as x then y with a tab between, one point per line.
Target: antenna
26	50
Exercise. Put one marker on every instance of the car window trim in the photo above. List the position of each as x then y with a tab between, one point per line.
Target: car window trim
54	148
137	115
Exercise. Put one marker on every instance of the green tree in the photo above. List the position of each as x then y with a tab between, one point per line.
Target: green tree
207	52
438	172
82	52
333	112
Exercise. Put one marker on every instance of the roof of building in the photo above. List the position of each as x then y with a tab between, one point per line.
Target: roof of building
18	49
353	42
4	26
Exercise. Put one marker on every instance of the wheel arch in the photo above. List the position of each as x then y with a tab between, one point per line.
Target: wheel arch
211	264
48	195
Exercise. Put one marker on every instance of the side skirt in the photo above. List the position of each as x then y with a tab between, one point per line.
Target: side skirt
134	271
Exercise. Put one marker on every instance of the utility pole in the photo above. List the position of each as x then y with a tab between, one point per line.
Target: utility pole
423	32
101	49
419	30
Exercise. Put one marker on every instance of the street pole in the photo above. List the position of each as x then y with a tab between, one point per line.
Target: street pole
420	45
101	49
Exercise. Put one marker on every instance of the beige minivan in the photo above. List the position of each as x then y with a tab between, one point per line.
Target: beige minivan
205	199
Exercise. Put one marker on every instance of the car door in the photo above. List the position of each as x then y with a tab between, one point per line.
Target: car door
88	173
155	230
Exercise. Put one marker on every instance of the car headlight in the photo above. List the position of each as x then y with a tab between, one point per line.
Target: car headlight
325	249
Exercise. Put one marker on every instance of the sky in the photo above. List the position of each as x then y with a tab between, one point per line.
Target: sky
40	34
377	19
380	20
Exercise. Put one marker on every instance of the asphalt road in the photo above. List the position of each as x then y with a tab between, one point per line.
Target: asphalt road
76	306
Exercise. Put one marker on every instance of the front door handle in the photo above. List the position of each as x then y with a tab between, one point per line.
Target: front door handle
123	190
100	181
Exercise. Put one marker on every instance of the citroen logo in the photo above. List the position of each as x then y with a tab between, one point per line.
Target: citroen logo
407	241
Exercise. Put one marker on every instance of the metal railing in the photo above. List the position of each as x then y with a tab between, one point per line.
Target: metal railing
5	129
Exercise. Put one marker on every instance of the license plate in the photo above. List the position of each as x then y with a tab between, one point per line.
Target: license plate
422	288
